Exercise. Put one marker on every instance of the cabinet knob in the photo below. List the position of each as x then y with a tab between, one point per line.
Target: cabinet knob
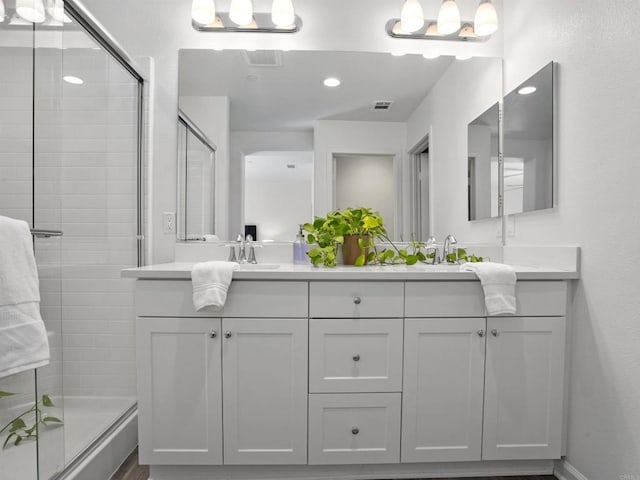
213	334
355	430
357	300
227	334
356	357
481	333
495	332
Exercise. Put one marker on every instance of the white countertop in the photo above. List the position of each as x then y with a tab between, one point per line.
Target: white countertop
182	271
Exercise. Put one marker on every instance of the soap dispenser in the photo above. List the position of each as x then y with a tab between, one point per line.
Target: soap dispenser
299	249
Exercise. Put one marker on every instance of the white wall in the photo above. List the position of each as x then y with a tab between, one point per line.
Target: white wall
333	137
596	46
367	181
465	91
211	115
245	143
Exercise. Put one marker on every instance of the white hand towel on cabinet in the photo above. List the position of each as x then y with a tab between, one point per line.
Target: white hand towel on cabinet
23	337
499	284
211	282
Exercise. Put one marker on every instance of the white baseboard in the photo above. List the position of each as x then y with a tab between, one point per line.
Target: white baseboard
563	470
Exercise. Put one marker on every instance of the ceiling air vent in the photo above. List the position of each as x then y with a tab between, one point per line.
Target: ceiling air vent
382	106
263	58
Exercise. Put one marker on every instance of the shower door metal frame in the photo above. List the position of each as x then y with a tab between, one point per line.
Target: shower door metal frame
86	20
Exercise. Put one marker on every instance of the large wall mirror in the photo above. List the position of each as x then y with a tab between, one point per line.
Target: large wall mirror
528	144
295	147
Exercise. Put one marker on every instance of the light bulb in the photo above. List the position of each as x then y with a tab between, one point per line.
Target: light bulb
55	9
31	10
486	21
448	17
203	12
282	14
241	12
412	17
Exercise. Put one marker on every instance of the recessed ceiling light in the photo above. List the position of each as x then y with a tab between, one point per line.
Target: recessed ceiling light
527	90
331	82
430	56
463	57
398	54
73	80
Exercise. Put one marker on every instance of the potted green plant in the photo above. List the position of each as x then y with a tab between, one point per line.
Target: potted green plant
354	229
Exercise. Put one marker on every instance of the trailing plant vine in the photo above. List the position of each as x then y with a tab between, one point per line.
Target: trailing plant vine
25	426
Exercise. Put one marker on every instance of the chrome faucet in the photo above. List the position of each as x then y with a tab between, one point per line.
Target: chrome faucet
450	246
432	252
242	254
252	250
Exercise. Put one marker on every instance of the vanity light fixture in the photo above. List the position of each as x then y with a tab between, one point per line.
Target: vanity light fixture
528	90
448	17
331	82
241	12
448	26
203	11
411	17
486	21
242	18
31	10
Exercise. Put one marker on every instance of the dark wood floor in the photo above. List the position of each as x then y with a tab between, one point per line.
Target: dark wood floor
130	470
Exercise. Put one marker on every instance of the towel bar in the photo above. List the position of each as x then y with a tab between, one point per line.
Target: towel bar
46	233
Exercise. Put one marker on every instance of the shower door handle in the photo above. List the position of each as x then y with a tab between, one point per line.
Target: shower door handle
46	233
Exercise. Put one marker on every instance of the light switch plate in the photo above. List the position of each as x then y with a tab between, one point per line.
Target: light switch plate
169	222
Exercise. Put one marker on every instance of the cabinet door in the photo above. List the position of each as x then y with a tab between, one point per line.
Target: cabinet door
524	388
179	391
442	389
265	391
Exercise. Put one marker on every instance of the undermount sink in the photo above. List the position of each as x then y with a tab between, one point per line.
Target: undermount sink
258	266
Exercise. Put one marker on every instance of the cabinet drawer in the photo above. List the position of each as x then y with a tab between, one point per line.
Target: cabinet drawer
355	355
466	299
354	428
356	299
444	299
174	298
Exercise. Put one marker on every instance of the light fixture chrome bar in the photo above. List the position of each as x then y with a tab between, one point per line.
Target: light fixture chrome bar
262	24
43	233
393	24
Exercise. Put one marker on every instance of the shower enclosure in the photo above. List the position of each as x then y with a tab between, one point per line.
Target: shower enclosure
71	166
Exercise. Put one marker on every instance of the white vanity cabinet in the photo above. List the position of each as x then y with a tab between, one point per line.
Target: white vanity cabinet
192	369
179	390
524	387
331	377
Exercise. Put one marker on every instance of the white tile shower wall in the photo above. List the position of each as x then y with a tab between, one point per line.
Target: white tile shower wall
85	185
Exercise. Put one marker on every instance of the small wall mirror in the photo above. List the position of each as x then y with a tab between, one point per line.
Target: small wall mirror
529	144
483	174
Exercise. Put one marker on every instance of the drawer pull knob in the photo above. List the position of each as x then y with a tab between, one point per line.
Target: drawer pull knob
213	334
357	300
227	334
356	357
481	333
495	332
355	430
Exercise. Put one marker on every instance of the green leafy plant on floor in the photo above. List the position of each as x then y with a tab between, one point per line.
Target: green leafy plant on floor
25	426
327	234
